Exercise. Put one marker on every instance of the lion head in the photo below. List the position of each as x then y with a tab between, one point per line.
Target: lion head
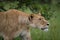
38	21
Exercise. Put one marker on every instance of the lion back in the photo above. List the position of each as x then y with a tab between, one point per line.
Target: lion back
8	20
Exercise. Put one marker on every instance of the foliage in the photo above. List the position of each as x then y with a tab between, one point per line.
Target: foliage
34	6
8	5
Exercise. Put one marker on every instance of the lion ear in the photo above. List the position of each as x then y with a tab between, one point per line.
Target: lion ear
39	13
31	17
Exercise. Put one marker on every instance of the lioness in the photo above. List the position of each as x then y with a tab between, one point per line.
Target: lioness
15	23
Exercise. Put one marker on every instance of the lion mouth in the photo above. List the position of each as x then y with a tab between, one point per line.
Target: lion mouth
45	29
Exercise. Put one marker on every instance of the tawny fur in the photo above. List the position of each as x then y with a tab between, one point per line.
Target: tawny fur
14	23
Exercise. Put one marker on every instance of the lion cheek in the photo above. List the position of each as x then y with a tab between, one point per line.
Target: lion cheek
33	25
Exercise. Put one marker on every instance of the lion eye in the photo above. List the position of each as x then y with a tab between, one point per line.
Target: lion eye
39	18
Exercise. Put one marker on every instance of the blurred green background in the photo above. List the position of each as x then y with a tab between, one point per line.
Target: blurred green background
50	9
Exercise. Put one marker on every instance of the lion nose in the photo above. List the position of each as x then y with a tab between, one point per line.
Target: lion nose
48	24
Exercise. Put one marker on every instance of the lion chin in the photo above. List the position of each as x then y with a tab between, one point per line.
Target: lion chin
46	30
